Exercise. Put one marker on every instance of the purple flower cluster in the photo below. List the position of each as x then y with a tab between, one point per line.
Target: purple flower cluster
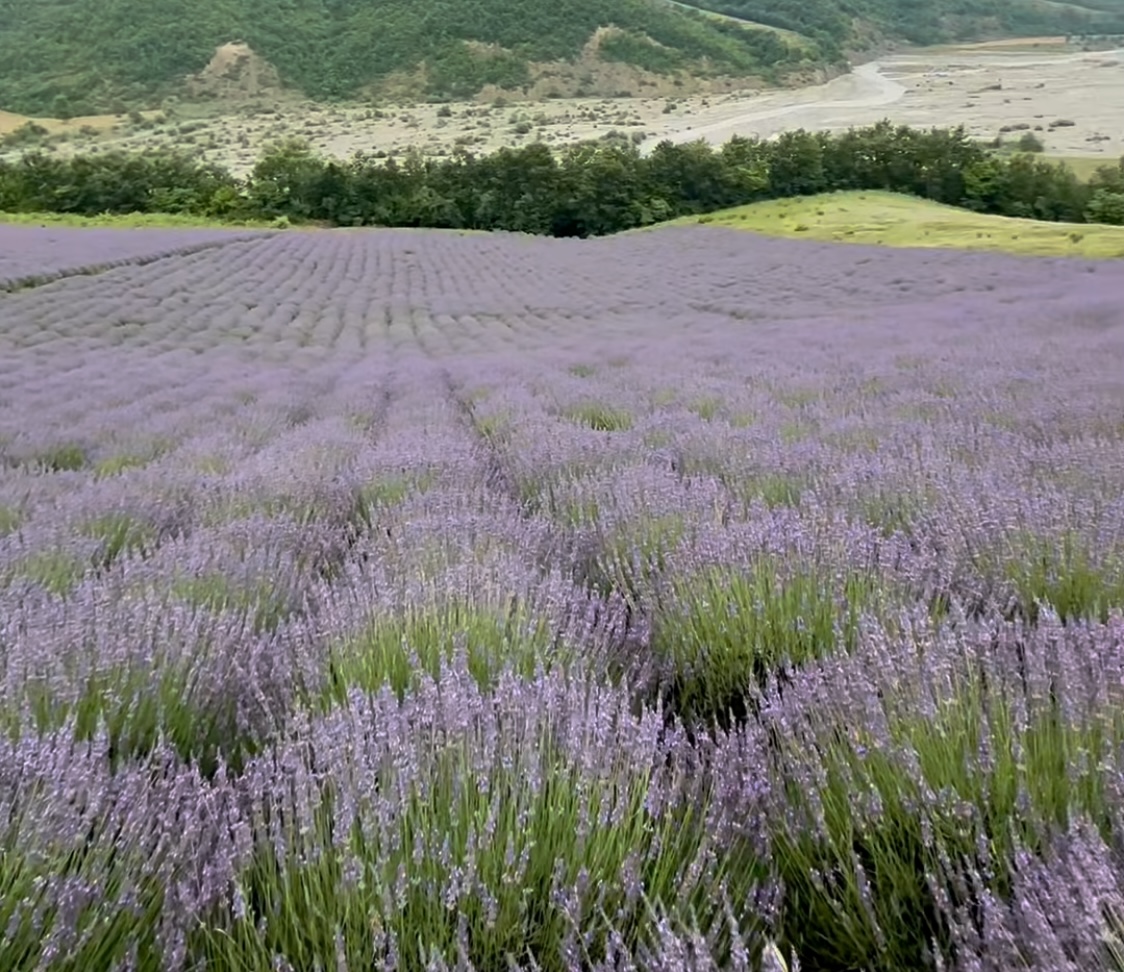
682	600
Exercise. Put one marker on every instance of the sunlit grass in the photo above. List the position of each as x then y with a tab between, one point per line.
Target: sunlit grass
132	221
890	219
600	417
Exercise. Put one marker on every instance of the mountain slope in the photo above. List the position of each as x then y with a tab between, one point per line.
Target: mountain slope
928	21
81	55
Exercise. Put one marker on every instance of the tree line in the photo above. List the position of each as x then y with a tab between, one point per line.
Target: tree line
588	189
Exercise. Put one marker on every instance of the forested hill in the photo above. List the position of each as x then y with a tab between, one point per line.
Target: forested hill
81	55
928	21
87	56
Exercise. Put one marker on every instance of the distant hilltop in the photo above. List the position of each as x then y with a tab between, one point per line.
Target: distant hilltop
75	57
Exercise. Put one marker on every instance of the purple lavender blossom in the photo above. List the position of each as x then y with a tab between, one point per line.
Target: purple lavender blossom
336	564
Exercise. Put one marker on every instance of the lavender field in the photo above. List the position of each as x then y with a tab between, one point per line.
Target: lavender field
32	255
677	601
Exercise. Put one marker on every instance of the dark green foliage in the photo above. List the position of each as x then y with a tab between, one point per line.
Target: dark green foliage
74	57
83	56
115	182
588	189
926	21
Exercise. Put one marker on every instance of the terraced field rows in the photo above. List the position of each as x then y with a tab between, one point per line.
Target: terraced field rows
670	601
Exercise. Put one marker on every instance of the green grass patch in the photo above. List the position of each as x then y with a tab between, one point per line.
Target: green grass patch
725	630
56	571
89	853
1063	574
398	651
211	465
796	431
797	398
133	221
393	489
599	417
896	220
890	511
1082	166
123	462
582	370
65	457
774	489
120	535
854	440
494	428
705	408
139	705
10	520
261	605
115	465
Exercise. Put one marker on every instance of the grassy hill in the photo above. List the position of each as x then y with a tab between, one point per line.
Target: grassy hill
80	56
890	219
844	22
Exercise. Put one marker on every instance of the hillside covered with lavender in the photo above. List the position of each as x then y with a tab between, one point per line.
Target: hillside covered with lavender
682	600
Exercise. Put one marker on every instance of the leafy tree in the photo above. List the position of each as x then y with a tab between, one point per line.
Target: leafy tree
1109	177
589	189
1106	207
796	165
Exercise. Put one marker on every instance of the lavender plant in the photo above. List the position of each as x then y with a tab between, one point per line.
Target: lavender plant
364	596
533	825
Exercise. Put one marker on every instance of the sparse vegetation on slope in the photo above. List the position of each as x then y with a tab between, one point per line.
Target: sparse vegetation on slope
927	21
82	56
891	219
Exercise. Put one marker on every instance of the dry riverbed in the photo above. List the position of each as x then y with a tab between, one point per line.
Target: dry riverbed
1074	101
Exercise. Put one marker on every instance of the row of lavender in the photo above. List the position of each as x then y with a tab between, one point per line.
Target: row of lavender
418	601
34	255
